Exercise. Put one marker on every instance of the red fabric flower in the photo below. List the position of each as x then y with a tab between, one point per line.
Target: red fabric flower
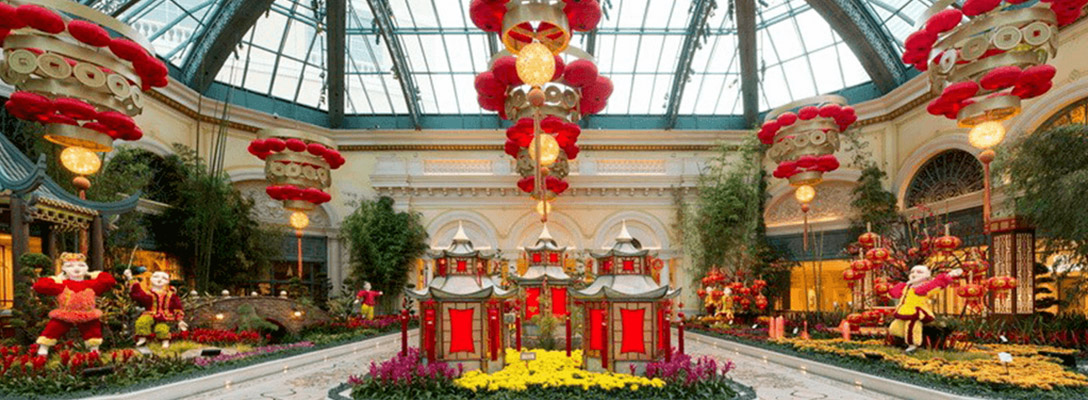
89	33
100	128
583	15
911	56
275	144
580	73
1000	77
526	184
830	110
808	112
551	124
40	18
116	121
599	91
944	21
920	41
959	91
786	119
1038	74
590	106
506	70
8	18
127	50
806	162
972	8
316	149
75	108
296	145
487	84
572	151
32	103
828	163
61	119
511	148
491	103
487	15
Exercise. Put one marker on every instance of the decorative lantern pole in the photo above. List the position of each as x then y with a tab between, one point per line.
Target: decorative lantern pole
529	83
298	166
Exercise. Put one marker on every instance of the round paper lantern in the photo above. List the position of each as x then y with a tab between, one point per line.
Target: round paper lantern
535	65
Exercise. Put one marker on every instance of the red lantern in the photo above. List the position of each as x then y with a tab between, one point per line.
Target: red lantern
855	319
868	239
761	302
947	243
862	265
878	255
882	288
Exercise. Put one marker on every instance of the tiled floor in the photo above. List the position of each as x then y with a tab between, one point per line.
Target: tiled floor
777	382
311	382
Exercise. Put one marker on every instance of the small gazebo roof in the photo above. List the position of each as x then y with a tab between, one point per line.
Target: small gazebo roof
454	287
537	273
460	247
627	287
626	246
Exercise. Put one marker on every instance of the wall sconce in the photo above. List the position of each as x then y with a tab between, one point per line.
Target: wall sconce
219	316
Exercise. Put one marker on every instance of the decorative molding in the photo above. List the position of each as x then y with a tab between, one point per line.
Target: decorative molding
909	167
456	167
499	147
631	167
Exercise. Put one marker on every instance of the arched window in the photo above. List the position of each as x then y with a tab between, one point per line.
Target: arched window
946	175
1076	113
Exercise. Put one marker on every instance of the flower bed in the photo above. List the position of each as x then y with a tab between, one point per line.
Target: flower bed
551	376
218	336
972	372
61	374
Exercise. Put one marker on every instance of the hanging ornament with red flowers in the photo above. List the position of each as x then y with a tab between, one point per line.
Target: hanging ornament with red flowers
804	136
80	80
985	58
297	166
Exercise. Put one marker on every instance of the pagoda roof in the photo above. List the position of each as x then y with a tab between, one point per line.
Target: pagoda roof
626	246
545	242
22	176
461	287
624	287
535	275
460	247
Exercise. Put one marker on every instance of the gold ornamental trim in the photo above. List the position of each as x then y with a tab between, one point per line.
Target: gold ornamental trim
989	21
22	39
998	108
90	14
71	135
298	205
71	88
974	70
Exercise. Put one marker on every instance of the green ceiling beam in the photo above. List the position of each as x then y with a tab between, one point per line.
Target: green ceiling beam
336	16
745	14
218	39
382	12
697	31
865	36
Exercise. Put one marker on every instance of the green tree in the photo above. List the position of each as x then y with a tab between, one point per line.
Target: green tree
210	227
1049	176
874	206
383	244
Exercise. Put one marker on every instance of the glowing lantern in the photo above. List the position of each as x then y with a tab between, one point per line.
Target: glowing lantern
868	239
850	276
986	135
862	265
543	206
761	302
804	194
549	150
299	220
535	64
80	160
882	288
878	255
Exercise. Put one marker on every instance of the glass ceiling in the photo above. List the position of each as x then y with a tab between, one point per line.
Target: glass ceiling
638	45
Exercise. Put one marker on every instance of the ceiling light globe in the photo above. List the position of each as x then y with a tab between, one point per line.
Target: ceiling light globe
299	220
535	64
804	194
986	135
80	160
549	149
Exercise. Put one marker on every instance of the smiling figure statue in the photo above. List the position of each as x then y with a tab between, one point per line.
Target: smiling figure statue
77	291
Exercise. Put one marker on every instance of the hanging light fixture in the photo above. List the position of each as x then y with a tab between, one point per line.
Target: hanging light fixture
80	161
986	135
535	65
804	194
299	220
549	149
544	207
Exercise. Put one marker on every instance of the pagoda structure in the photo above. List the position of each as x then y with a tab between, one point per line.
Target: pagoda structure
626	311
461	308
545	277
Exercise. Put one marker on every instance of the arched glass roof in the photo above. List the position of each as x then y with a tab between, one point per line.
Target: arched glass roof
282	62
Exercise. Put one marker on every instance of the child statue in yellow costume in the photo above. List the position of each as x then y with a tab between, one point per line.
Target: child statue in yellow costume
912	312
368	298
162	307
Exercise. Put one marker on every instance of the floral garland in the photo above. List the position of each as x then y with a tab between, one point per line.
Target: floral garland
550	369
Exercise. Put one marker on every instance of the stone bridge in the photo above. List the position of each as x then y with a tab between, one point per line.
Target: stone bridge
222	313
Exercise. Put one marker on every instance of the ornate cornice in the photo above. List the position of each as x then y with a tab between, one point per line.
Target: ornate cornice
498	147
898	112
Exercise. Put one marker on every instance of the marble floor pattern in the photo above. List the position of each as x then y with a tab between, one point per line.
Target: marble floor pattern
778	382
312	382
771	381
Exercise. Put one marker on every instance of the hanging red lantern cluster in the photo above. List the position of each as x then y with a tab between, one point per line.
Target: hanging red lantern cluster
946	244
868	240
520	136
851	276
878	256
863	265
576	90
983	65
579	15
803	143
297	165
1000	284
882	287
72	76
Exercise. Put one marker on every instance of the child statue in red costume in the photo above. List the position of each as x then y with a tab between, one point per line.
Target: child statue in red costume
369	299
912	312
162	307
76	290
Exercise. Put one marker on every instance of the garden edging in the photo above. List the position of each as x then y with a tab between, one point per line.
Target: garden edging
220	380
870	382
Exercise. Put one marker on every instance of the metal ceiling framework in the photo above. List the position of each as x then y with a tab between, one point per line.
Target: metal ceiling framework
697	31
382	12
865	36
217	41
221	31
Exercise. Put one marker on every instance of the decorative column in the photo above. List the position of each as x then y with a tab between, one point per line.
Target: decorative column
20	240
1013	253
98	248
